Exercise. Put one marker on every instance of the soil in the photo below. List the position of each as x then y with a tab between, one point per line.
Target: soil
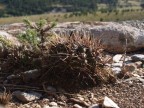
126	95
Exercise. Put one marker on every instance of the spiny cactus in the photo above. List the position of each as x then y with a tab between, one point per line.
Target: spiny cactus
76	61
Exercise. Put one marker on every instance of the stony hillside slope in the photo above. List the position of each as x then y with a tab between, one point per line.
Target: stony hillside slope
123	44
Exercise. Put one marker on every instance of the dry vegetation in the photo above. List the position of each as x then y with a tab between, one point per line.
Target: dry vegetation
63	61
119	15
76	61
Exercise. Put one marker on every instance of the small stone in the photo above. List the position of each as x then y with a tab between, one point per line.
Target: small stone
53	104
130	82
35	106
116	70
51	89
130	67
108	103
27	97
46	106
107	64
138	57
61	103
117	58
117	64
5	81
80	97
77	106
94	106
135	75
138	64
10	77
127	59
31	75
25	106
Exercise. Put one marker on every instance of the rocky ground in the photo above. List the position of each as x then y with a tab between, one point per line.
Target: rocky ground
127	92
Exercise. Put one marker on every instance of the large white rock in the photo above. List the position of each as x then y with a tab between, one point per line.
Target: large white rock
114	36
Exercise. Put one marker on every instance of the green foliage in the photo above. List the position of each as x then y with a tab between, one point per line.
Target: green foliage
28	7
30	37
36	33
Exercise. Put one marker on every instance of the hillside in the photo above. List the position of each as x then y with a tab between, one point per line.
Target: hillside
13	11
29	7
72	72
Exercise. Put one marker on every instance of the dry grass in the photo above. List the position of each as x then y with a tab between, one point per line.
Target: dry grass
136	14
75	61
5	98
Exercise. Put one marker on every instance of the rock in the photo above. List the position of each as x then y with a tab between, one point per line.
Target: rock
26	97
138	64
138	57
127	58
12	39
116	70
77	106
46	106
51	89
7	40
16	32
26	76
112	35
45	100
16	26
117	58
30	75
141	80
137	23
11	77
135	75
108	65
25	106
120	64
94	106
80	97
130	67
35	105
53	104
61	103
108	103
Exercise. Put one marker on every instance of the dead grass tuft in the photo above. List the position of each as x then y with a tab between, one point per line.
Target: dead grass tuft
5	98
76	61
